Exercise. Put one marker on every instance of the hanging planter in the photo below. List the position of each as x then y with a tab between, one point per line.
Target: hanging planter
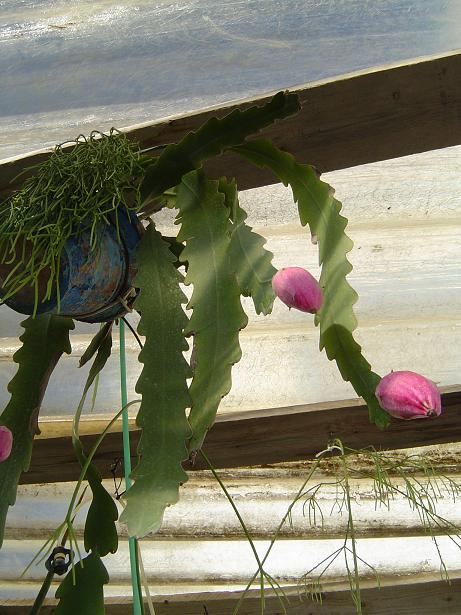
68	238
69	250
95	283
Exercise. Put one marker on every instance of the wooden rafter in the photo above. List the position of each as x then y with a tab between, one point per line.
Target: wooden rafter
439	597
261	437
354	119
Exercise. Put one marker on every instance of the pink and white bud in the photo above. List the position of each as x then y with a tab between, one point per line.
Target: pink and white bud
297	288
407	395
6	442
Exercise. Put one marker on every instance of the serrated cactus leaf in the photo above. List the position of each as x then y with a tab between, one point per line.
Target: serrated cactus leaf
250	261
212	139
44	340
82	591
217	315
100	533
321	211
163	386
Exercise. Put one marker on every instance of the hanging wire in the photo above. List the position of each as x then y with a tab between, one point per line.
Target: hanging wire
133	331
135	581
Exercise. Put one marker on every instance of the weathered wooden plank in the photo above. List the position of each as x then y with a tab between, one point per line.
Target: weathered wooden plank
358	118
424	598
264	436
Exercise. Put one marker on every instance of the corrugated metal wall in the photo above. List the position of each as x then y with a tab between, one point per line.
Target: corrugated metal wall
404	219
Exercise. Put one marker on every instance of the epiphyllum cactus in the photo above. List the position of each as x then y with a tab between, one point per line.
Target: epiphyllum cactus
297	288
407	395
224	259
6	442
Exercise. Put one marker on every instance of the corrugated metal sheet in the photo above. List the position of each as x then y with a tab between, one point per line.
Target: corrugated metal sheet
404	219
202	547
70	67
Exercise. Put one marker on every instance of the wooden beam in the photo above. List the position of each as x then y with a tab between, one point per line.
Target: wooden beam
424	598
261	437
358	118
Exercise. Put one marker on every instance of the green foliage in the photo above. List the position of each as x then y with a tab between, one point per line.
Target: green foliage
210	140
96	343
404	477
217	314
72	191
100	531
163	386
321	211
263	574
175	248
251	262
81	592
408	478
44	340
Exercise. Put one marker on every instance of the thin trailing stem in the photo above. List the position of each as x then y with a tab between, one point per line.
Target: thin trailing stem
145	582
94	394
93	452
38	603
242	523
133	331
421	496
286	516
355	580
262	572
142	572
67	523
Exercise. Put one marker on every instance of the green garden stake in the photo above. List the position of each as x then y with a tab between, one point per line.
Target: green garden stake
137	602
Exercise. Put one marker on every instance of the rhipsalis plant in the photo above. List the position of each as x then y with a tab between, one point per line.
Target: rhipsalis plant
76	243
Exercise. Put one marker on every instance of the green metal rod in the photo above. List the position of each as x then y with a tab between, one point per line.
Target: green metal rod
135	583
42	594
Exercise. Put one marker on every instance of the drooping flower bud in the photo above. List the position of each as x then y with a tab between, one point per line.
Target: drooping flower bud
297	288
6	442
407	395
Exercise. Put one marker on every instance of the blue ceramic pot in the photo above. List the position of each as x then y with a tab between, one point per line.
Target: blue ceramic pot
93	283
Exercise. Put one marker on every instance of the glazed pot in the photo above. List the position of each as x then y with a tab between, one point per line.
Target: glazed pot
95	284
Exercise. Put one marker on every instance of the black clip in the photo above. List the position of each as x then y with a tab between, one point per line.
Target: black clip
59	560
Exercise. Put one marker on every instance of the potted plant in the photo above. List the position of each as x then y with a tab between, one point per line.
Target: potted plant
79	241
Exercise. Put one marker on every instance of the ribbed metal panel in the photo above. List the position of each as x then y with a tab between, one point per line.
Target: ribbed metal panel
404	219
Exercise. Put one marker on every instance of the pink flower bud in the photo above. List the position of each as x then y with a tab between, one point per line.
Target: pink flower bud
297	288
406	395
6	442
